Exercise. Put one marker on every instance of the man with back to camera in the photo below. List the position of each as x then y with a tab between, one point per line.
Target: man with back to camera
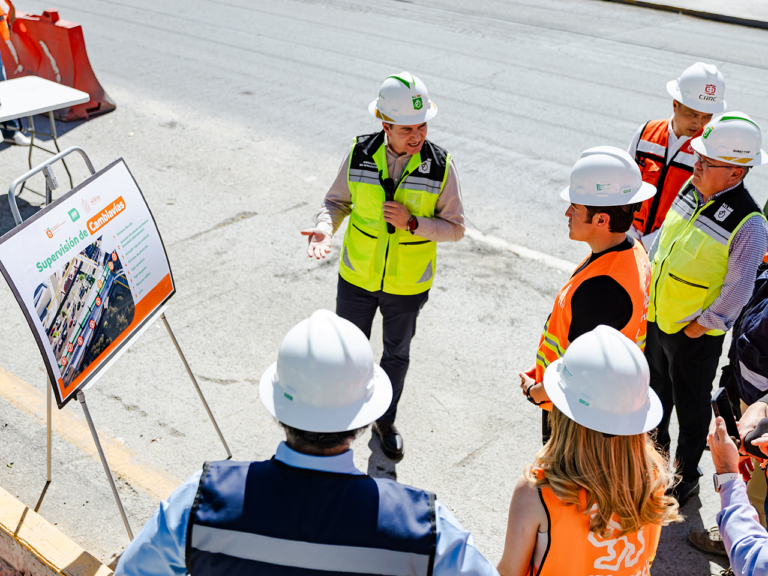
704	262
401	193
308	510
662	148
611	285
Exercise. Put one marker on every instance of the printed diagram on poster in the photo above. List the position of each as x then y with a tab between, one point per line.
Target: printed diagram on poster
88	271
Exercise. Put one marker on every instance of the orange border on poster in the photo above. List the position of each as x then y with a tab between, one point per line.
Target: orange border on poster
142	311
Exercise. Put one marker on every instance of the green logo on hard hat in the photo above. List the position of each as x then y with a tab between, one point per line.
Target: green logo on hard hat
601	187
706	132
582	401
417	103
626	190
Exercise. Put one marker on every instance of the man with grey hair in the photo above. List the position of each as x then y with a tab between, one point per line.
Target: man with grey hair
307	509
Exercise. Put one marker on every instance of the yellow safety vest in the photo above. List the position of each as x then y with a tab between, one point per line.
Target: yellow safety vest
371	258
691	261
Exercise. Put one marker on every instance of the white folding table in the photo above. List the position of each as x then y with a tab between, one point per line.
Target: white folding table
32	95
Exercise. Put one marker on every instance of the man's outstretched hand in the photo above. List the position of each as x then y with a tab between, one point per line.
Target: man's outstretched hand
319	243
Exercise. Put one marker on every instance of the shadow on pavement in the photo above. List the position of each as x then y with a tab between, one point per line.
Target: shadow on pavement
379	465
675	550
6	217
43	124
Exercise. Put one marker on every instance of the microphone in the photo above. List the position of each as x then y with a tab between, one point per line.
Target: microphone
389	195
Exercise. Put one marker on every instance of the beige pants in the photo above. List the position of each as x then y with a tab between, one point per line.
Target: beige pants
756	487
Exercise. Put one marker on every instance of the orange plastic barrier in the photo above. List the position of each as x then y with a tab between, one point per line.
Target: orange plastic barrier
54	49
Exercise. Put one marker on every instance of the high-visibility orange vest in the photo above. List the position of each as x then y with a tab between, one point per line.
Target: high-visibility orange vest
668	178
5	31
573	549
631	269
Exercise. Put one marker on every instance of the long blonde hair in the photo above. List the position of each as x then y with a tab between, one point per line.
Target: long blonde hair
622	475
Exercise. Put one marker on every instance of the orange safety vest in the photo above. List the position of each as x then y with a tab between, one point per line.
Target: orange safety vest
668	178
5	31
631	269
573	549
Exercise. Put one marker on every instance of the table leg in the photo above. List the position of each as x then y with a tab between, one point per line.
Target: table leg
56	144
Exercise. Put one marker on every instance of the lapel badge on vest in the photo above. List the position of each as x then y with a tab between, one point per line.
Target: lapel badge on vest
723	212
425	166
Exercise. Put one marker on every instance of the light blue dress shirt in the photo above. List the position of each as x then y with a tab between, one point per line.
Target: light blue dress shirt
746	541
160	548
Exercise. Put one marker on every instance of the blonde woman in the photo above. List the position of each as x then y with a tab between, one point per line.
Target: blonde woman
593	503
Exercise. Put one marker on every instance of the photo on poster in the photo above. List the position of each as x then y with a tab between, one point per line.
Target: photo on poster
88	271
84	305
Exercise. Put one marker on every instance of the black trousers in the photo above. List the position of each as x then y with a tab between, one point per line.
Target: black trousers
399	313
682	372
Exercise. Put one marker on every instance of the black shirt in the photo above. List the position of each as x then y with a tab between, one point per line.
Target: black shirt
600	300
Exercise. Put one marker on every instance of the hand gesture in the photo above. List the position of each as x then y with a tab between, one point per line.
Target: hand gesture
725	455
530	388
762	443
319	243
396	214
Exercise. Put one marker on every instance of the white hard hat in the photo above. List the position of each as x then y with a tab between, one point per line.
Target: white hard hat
602	383
701	87
403	99
606	176
324	379
733	138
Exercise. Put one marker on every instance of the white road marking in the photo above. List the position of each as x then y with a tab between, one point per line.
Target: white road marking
521	251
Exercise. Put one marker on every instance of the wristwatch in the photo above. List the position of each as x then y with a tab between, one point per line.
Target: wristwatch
721	479
413	223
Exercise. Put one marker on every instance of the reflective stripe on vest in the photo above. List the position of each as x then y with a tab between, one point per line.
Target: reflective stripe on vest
668	178
371	258
573	549
270	518
691	260
631	269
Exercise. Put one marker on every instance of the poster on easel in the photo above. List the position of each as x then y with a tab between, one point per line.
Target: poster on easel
88	271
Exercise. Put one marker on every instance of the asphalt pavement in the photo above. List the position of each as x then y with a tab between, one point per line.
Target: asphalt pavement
234	116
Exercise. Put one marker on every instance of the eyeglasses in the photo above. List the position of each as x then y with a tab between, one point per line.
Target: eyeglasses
706	164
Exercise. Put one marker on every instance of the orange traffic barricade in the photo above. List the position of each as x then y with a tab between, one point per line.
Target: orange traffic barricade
54	49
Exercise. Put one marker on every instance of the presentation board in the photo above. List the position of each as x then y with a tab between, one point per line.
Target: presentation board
88	271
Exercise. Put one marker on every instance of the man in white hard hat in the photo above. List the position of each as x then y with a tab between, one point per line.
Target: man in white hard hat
704	261
611	285
308	510
401	193
662	148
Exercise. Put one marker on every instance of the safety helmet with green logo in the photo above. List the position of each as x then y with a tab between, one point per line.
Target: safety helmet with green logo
733	138
603	383
325	379
403	99
606	176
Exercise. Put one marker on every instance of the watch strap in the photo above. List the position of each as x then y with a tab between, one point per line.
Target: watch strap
721	479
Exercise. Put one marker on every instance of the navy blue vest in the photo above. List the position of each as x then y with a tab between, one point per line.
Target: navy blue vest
749	346
269	518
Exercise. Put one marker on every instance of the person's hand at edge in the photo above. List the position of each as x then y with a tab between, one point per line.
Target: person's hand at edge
762	443
725	455
694	329
319	243
751	417
396	214
537	392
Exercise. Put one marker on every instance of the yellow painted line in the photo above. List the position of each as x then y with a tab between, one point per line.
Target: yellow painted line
123	461
27	540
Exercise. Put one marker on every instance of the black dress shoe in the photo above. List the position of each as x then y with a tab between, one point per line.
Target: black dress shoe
686	490
391	441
